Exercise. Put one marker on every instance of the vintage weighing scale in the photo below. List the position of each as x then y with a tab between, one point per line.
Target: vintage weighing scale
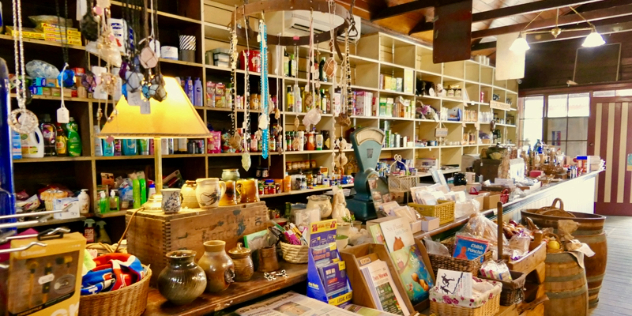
367	145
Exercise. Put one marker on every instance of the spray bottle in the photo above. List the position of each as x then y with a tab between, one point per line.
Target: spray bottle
103	235
88	232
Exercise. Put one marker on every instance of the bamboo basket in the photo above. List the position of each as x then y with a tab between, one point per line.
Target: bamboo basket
490	308
450	263
513	291
294	253
552	210
444	210
128	301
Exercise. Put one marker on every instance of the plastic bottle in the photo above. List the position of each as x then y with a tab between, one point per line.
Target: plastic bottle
74	141
84	202
88	232
151	188
61	141
103	235
298	101
129	147
198	93
188	88
117	147
143	187
104	205
290	100
16	145
136	192
108	148
32	144
98	144
143	145
49	133
114	202
295	66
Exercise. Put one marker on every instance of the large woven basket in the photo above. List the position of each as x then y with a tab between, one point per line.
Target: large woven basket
450	263
294	253
444	210
128	301
513	291
490	308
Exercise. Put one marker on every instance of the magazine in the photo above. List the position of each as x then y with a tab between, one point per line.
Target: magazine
413	273
385	293
334	277
292	304
397	234
365	311
324	255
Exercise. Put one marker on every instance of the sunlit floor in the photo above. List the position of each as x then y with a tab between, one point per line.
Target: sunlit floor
615	297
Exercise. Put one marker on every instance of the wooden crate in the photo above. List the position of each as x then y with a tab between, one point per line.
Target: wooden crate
153	234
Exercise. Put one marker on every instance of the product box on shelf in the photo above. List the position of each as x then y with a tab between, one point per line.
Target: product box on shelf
45	280
71	205
152	235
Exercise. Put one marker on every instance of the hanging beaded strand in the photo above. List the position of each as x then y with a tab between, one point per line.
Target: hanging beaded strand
233	70
263	48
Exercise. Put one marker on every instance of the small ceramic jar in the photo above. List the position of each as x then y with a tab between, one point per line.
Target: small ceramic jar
244	267
218	266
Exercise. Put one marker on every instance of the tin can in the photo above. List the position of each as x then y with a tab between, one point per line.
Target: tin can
261	190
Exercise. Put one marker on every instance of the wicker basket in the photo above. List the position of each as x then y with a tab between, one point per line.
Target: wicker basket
513	291
552	210
444	210
128	301
490	308
294	253
450	263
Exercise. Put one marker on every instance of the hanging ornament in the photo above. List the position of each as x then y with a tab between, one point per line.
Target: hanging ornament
264	120
235	142
21	120
89	25
246	161
297	123
312	117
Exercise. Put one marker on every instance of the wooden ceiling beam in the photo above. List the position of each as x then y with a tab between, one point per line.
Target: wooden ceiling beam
526	8
619	8
400	9
482	46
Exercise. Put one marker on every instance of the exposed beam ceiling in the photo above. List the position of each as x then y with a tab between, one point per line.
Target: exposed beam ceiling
620	8
407	7
526	8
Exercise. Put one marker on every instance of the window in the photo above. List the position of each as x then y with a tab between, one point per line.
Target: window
567	122
531	120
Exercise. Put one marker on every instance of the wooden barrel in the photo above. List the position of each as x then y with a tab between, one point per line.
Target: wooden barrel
589	231
565	285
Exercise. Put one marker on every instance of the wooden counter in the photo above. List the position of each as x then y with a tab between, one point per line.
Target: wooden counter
241	292
238	292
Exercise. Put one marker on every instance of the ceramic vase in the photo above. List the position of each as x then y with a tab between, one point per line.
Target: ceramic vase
181	281
189	198
244	267
209	191
218	266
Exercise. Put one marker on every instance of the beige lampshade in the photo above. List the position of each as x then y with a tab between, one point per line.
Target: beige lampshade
174	117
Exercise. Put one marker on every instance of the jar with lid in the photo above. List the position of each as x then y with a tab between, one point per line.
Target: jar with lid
244	267
230	174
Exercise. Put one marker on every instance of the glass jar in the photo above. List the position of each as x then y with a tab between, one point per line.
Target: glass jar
230	174
322	203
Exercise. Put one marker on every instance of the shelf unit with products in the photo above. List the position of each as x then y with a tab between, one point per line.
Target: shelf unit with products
400	62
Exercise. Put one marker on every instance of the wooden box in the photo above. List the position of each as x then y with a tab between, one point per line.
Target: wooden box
361	292
152	235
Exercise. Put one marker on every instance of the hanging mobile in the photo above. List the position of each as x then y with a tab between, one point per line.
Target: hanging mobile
21	120
264	119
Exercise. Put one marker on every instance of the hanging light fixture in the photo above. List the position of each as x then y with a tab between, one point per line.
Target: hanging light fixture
593	39
520	44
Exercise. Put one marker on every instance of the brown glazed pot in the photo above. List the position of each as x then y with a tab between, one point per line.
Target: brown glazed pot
244	267
181	281
219	268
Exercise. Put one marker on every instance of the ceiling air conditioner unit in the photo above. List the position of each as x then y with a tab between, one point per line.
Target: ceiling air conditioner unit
297	23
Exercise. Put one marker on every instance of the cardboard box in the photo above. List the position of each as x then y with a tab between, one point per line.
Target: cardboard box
46	280
71	212
431	223
481	201
491	200
416	226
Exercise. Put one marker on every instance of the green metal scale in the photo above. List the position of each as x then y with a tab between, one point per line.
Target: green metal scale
367	146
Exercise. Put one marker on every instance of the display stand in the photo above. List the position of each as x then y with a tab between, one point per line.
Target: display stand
323	233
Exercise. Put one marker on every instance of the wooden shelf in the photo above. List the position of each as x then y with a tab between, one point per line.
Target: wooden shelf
296	192
38	42
58	222
52	159
111	214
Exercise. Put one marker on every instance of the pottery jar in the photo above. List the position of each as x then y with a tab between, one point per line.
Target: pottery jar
181	281
171	200
321	202
230	196
268	261
218	266
248	189
209	191
244	267
189	198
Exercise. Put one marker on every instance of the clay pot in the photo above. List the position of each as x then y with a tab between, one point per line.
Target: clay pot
189	199
218	266
181	281
244	267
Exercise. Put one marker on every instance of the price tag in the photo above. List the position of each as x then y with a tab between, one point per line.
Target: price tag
63	116
133	98
144	107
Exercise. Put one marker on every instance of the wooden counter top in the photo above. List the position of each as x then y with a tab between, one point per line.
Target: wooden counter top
238	292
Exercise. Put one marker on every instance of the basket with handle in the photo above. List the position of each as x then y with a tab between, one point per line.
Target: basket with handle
450	263
294	253
552	210
444	210
130	300
397	182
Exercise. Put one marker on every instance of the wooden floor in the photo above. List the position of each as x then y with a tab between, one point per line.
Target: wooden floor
615	297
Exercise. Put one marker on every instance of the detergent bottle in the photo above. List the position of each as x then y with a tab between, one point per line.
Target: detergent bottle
103	235
32	144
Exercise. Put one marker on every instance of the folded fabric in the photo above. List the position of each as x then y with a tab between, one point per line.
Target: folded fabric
113	271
